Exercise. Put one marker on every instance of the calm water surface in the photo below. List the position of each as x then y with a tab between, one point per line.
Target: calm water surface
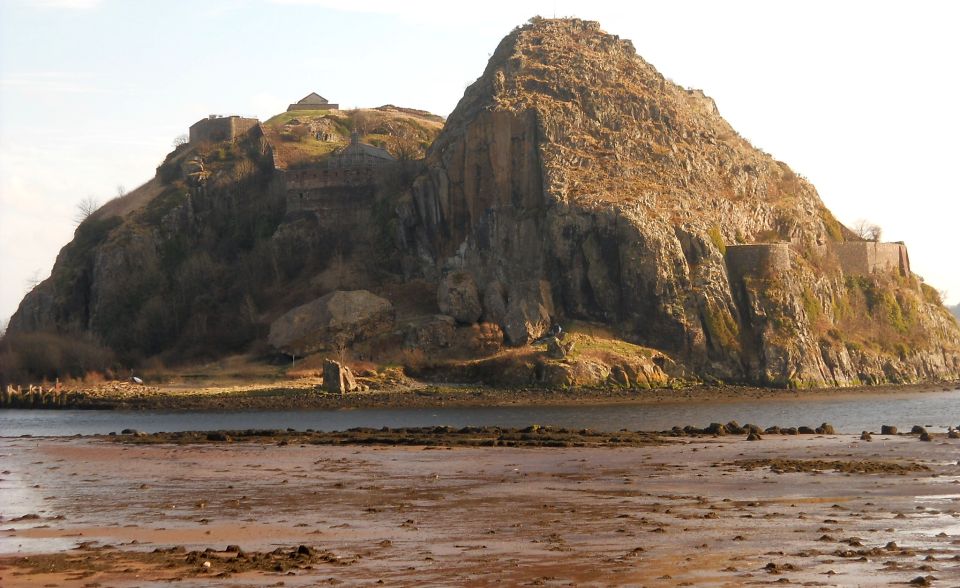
935	410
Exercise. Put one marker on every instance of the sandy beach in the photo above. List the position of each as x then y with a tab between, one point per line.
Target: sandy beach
676	511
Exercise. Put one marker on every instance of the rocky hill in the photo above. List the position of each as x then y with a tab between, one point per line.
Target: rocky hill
573	181
198	261
573	185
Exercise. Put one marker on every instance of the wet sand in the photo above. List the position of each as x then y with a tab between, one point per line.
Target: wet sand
684	511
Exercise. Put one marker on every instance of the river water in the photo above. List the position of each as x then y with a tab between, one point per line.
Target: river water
848	414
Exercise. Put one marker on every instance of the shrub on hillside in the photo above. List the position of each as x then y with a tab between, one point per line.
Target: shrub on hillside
32	357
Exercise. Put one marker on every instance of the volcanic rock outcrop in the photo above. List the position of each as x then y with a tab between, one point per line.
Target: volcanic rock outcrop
573	181
337	319
572	186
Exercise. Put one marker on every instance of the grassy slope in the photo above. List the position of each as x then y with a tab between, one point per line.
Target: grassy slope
378	127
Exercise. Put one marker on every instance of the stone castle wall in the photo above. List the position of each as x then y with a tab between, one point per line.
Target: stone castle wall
220	128
758	259
319	177
341	198
336	208
867	257
857	258
317	187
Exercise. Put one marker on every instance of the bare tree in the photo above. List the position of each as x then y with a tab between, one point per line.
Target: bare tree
339	265
243	169
180	141
33	281
200	173
340	346
362	122
300	132
867	230
85	208
404	148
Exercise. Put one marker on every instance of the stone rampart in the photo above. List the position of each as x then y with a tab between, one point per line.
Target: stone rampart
861	258
319	177
761	259
342	210
342	199
215	129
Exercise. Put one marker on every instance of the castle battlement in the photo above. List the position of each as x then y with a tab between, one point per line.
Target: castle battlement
758	259
216	128
856	258
861	258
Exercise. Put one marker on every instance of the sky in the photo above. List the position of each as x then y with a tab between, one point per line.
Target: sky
858	97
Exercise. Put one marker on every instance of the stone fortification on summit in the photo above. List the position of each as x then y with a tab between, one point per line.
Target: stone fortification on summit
216	128
313	101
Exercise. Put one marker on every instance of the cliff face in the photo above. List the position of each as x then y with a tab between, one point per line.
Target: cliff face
574	182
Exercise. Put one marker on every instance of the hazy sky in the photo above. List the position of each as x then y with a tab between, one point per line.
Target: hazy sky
859	97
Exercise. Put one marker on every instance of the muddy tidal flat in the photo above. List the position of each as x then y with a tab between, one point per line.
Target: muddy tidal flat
813	510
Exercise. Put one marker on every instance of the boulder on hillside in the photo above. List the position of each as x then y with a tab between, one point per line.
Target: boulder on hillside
430	332
339	318
457	296
494	303
557	349
338	378
529	311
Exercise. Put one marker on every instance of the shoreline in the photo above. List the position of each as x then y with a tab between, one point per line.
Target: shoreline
306	395
531	436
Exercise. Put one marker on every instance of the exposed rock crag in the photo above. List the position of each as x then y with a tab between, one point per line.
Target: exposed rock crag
572	186
335	320
574	181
